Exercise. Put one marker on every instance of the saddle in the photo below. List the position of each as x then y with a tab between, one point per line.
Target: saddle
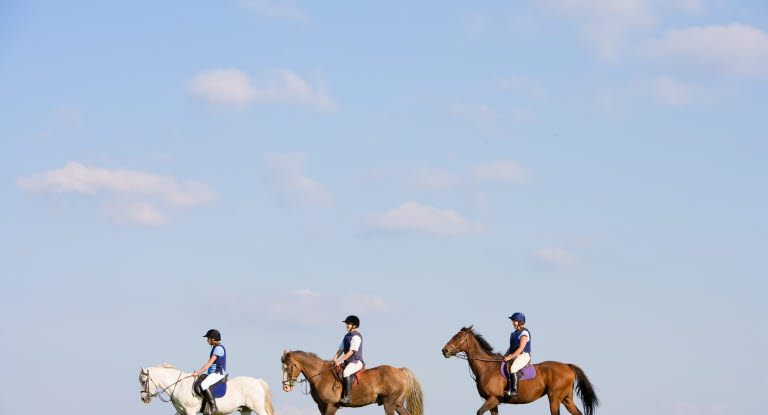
338	374
527	372
219	388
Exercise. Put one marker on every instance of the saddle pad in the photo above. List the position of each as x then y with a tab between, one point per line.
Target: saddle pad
357	377
529	372
219	390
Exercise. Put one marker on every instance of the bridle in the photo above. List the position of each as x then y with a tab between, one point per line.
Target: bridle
454	353
462	343
293	381
159	389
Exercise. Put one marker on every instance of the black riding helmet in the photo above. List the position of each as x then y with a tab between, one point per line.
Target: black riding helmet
353	320
213	334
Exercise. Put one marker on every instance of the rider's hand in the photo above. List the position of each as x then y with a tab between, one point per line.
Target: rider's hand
338	363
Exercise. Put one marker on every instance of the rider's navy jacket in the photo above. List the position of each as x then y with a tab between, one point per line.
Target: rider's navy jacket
358	355
514	340
220	364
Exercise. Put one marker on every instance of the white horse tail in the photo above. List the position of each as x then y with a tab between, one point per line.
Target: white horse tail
414	397
267	398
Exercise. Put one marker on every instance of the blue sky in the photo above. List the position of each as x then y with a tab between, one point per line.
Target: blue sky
268	167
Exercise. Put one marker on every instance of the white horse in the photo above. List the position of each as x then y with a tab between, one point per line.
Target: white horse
244	394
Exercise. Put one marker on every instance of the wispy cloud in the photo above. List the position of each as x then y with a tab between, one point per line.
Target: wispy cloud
233	88
605	25
505	171
131	186
284	9
286	179
521	85
412	217
736	49
429	178
303	308
138	213
489	118
559	257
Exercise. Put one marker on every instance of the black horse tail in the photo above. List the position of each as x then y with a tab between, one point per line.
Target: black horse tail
585	390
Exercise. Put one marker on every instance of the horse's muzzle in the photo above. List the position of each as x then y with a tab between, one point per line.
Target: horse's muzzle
446	353
146	398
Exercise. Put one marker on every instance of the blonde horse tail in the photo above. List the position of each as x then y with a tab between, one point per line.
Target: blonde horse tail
267	398
414	396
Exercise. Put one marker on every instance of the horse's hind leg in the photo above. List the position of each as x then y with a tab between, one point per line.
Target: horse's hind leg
389	406
570	405
401	410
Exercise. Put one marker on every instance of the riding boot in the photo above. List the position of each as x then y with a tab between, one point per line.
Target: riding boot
512	385
211	407
346	389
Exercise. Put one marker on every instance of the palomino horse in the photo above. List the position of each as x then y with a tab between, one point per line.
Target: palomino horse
244	394
384	385
554	379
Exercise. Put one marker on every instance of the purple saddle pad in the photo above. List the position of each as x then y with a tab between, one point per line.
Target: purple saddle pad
529	372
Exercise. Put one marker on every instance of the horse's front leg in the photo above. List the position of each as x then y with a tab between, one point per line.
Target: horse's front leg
491	402
495	410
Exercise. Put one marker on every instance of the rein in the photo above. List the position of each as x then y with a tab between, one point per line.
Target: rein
159	389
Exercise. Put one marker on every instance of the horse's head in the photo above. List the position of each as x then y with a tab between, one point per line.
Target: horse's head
458	342
291	371
148	388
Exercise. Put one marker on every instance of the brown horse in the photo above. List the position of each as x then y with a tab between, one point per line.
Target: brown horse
553	379
384	385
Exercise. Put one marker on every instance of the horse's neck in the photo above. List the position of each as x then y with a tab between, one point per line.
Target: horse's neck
166	376
476	355
311	366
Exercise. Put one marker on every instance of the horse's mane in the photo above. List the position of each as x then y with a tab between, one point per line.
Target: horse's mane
302	352
487	348
168	366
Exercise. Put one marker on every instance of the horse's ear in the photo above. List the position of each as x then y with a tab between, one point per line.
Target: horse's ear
285	352
470	327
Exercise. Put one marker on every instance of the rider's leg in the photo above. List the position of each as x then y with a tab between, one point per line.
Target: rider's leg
518	363
208	393
347	380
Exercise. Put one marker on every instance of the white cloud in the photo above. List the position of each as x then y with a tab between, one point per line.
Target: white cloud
140	213
233	88
429	178
676	93
304	307
736	48
129	185
506	171
557	256
286	179
223	87
286	9
417	218
77	178
605	24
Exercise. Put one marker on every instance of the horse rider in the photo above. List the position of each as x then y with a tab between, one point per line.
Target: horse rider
351	352
216	368
519	350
